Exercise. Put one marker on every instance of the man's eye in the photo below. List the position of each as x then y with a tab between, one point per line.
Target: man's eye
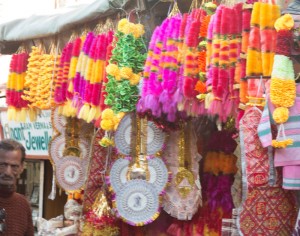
15	167
3	165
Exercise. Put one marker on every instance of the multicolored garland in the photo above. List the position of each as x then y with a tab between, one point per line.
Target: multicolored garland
125	67
283	85
17	106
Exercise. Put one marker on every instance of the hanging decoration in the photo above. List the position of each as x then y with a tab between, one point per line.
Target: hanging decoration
125	67
39	81
264	199
17	106
183	195
100	220
283	85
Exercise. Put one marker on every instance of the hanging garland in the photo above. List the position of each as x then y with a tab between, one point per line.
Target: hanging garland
15	84
125	67
283	85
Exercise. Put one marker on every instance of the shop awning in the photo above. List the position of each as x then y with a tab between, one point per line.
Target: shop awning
40	26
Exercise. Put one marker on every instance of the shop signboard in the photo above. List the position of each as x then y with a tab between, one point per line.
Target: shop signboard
35	136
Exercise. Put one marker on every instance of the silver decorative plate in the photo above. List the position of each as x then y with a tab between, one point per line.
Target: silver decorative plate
123	136
70	173
158	173
137	202
57	147
59	121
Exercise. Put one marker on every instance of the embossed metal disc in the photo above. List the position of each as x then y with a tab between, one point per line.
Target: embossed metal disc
123	136
70	173
137	202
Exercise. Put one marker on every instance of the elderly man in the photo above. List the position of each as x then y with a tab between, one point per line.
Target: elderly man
15	212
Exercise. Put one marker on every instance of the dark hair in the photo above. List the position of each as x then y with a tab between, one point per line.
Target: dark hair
12	145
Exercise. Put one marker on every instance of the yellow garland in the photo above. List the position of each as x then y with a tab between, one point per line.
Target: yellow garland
126	27
282	143
281	115
126	72
283	92
113	70
110	121
105	142
107	114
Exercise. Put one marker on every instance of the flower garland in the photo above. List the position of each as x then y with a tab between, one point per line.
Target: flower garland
61	82
98	76
262	39
125	67
283	85
15	84
68	110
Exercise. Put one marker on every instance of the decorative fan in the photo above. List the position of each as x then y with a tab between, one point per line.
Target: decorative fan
123	136
158	174
58	121
137	202
57	147
71	173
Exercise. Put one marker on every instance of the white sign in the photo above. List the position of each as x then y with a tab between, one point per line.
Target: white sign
35	136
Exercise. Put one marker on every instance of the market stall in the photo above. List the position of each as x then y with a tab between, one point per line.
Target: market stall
191	131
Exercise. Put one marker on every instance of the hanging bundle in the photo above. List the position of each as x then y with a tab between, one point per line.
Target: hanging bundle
68	110
95	91
61	82
262	39
125	67
283	85
15	84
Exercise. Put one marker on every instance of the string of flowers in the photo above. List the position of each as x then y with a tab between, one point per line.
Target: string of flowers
283	85
125	67
68	110
61	82
190	62
246	17
17	106
235	31
80	82
31	80
204	51
48	69
98	76
262	39
220	60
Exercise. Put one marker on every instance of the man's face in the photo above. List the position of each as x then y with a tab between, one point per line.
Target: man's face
10	168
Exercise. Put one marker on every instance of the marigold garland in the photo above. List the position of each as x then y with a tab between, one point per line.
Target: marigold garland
283	85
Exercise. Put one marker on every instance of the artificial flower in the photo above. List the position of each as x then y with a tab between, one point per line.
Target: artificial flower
126	72
113	70
107	125
107	114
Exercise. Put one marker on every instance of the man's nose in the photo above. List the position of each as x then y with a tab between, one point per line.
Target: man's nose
8	170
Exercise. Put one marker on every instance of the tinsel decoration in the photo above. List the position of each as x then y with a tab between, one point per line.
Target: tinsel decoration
100	221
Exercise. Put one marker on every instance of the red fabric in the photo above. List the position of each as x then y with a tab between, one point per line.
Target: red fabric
266	210
18	215
97	164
